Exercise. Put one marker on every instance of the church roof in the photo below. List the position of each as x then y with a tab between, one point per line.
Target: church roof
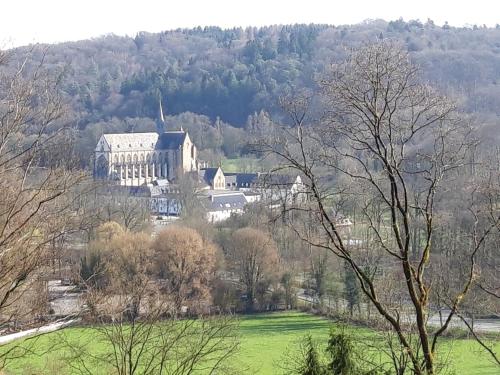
131	141
171	140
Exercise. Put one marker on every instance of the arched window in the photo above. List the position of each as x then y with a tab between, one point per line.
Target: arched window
192	151
101	167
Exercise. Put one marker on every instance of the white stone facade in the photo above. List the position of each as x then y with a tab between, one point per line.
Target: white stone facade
134	159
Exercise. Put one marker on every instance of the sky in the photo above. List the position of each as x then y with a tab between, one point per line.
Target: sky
50	21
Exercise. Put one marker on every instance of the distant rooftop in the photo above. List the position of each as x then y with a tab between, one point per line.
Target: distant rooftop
131	141
170	140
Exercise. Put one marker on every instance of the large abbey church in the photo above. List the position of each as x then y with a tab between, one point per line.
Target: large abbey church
135	159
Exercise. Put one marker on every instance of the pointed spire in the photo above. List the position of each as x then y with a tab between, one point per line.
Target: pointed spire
160	121
162	118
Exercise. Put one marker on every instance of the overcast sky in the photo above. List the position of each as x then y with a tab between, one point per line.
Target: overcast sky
29	21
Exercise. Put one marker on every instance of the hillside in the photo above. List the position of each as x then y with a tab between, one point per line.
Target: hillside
229	76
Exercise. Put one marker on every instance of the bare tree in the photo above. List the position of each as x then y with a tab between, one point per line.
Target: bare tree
254	257
187	264
393	143
37	179
135	326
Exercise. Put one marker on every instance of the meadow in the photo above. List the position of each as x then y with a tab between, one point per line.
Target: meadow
265	341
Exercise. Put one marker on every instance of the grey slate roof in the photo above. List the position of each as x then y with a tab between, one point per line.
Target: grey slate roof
226	202
131	141
242	179
171	140
208	174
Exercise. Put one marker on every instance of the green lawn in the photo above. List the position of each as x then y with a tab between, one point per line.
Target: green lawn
241	165
264	340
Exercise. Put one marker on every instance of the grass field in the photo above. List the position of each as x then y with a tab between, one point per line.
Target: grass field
241	165
264	340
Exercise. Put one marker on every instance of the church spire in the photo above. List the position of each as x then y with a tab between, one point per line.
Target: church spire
160	121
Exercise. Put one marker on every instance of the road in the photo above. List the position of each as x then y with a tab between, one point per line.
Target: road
36	331
480	325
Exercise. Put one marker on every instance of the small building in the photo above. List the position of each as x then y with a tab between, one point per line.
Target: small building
241	181
214	178
220	206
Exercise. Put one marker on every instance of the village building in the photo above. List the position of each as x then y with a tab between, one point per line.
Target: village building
220	206
213	178
149	165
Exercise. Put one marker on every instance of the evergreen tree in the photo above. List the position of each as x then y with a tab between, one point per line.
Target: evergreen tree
312	364
341	351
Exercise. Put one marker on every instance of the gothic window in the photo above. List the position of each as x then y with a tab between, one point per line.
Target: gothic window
101	168
192	151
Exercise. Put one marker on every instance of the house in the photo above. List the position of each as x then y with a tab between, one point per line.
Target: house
220	206
214	178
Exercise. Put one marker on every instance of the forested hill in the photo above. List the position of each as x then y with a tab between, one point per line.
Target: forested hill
234	73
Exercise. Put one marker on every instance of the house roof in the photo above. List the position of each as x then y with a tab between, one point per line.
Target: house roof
260	179
222	202
171	140
208	174
243	179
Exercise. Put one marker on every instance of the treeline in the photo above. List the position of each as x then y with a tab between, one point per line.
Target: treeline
231	74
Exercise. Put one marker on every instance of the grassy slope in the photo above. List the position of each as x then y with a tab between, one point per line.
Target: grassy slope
241	165
265	339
